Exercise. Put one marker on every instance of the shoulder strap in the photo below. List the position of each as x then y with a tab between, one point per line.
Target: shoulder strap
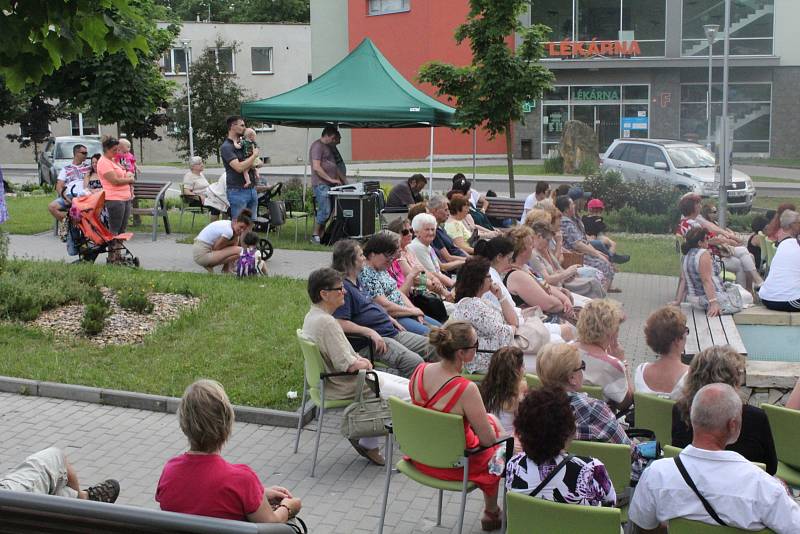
460	387
505	278
549	477
690	482
439	392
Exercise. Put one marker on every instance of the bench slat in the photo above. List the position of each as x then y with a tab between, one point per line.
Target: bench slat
732	333
717	332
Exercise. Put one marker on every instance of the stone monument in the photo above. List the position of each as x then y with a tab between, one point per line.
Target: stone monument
578	144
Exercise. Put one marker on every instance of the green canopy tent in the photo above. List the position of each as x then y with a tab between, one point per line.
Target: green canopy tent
363	90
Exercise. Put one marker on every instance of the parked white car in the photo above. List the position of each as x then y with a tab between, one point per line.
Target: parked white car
688	166
58	152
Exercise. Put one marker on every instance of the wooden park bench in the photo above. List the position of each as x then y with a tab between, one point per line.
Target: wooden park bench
705	332
34	513
501	208
155	191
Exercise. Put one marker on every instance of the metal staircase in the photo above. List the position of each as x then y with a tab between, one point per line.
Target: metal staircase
764	10
749	116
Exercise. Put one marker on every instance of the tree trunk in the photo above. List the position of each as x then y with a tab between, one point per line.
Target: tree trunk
141	151
510	159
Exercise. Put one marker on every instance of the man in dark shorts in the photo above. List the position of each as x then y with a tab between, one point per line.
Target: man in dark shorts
236	164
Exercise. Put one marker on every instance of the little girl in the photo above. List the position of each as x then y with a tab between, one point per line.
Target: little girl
250	262
504	385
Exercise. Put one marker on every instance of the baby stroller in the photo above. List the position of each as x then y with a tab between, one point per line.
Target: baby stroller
271	214
88	236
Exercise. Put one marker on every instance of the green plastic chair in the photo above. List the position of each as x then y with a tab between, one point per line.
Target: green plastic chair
680	525
314	389
785	425
771	249
593	391
473	377
763	245
432	438
654	413
672	452
617	459
531	515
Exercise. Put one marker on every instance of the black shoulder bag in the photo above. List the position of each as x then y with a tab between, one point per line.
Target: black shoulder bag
703	500
549	477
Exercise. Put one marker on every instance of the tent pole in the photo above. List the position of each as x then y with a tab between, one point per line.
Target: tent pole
474	151
430	168
305	171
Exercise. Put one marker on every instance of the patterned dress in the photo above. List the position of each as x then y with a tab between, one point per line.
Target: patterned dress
493	331
582	480
3	210
380	283
574	233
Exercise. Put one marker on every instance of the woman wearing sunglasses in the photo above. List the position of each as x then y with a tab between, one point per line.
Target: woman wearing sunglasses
665	332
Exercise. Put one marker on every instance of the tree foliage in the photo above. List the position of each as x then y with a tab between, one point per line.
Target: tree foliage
215	96
489	92
241	10
40	36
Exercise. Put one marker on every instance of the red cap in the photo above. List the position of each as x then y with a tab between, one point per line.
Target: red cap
596	203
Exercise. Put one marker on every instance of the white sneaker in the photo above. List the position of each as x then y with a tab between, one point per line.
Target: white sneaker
315	239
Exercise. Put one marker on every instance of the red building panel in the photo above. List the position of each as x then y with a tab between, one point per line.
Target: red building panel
409	40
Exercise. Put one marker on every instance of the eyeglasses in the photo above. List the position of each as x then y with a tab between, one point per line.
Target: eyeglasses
340	288
471	347
686	330
581	368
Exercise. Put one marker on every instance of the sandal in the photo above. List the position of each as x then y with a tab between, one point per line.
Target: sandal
107	491
491	520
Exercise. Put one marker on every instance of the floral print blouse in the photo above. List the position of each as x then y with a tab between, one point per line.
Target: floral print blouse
492	329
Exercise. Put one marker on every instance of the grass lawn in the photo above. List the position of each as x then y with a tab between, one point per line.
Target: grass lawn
651	254
792	163
535	170
771	203
774	179
242	334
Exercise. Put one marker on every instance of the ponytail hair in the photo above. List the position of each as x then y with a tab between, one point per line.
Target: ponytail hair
450	338
496	246
245	216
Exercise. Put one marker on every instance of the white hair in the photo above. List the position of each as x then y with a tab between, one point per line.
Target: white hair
437	201
714	405
125	142
195	160
422	220
788	218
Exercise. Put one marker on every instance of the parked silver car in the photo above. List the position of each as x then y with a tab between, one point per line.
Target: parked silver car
688	166
58	152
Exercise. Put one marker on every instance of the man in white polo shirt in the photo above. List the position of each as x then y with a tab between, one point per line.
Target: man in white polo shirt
736	492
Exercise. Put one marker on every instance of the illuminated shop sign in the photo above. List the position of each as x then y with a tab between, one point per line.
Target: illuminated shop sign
569	48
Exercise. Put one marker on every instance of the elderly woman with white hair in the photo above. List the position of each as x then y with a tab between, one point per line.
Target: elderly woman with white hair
194	182
781	290
424	227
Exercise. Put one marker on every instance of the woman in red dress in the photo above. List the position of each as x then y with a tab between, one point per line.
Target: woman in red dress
440	386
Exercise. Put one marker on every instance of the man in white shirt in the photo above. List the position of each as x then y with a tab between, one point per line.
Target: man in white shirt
541	192
738	492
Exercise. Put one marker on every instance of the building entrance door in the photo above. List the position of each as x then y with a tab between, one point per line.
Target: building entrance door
602	118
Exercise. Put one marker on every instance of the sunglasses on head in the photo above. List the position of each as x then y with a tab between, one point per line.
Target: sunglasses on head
581	368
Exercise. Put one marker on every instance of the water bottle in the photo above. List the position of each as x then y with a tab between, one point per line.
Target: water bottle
422	282
497	462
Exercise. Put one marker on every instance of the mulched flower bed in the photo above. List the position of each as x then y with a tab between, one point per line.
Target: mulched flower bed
123	326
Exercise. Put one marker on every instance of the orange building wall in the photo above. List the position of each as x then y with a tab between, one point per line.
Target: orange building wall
409	40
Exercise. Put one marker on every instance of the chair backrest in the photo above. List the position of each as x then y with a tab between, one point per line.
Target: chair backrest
534	382
680	525
616	457
762	244
312	360
672	452
785	425
654	413
531	515
433	438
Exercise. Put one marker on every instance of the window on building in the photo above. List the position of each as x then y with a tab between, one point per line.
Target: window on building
261	126
751	27
750	108
557	15
83	124
383	7
174	61
261	59
225	61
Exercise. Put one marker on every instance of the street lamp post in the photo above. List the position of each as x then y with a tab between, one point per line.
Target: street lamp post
725	153
711	34
188	96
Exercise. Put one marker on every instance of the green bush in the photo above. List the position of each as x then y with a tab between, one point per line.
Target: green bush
135	299
18	302
3	250
96	309
608	186
630	220
554	165
658	198
25	293
588	167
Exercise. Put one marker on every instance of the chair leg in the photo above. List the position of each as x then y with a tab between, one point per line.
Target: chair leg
155	226
388	452
180	219
463	497
439	509
503	517
300	419
319	425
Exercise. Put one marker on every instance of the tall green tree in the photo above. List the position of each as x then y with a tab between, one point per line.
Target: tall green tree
240	10
215	96
489	93
39	36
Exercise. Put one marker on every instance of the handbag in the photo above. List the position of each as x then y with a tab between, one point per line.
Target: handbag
730	301
366	417
431	304
531	335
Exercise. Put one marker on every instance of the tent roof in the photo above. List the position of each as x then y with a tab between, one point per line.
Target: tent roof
363	90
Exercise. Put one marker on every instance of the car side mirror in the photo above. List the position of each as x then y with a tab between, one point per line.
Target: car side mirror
661	166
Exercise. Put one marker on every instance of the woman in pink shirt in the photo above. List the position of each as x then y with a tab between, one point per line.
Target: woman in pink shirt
116	184
201	482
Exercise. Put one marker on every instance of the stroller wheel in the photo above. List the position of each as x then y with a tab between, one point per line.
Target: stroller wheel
266	249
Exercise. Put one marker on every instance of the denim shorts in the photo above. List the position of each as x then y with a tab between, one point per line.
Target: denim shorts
323	203
240	199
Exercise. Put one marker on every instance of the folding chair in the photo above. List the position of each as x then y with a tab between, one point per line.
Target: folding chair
654	413
785	425
192	204
680	525
532	515
314	388
436	439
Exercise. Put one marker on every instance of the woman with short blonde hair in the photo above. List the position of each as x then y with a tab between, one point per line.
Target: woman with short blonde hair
722	364
598	342
201	482
556	363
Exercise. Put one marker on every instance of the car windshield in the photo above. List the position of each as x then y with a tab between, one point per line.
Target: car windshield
64	149
686	157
